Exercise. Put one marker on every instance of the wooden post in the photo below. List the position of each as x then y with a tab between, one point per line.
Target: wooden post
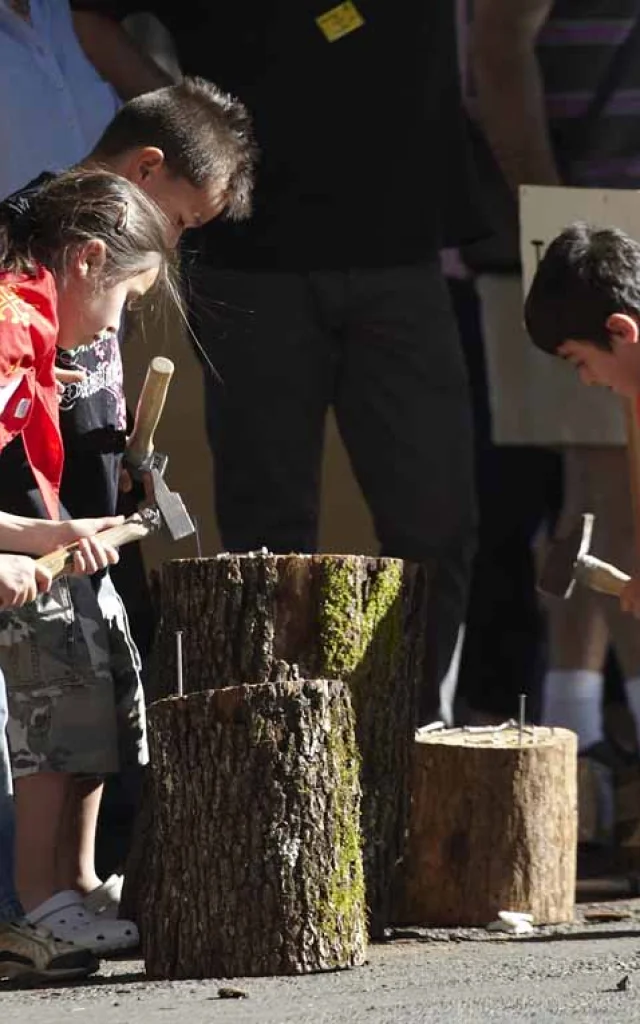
259	618
255	863
493	827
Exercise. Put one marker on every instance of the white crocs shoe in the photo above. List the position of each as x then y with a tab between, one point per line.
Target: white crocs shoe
104	901
67	918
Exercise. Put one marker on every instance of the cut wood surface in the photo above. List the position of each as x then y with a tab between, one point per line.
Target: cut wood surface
255	863
493	826
259	618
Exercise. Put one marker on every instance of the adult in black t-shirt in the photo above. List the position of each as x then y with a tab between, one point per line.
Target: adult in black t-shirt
332	294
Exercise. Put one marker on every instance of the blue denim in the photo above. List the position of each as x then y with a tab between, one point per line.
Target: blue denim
10	908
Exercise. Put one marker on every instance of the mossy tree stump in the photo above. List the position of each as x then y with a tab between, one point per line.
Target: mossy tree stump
493	827
256	862
259	618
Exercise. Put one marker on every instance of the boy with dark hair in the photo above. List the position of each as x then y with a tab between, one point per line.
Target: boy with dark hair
191	130
189	146
584	306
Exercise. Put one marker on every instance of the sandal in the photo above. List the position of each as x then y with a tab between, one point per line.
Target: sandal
105	899
67	918
32	956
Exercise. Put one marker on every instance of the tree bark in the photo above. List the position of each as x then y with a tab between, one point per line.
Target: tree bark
256	863
259	618
493	827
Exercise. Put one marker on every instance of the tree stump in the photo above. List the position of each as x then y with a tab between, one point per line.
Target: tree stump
256	863
493	827
259	618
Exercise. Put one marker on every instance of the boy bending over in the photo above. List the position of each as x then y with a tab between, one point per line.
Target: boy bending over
584	306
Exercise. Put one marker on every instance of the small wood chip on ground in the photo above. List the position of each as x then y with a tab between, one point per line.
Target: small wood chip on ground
232	993
605	915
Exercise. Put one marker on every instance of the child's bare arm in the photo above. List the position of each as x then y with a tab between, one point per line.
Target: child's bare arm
39	536
510	90
115	55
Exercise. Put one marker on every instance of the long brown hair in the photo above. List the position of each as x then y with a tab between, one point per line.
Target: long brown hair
78	206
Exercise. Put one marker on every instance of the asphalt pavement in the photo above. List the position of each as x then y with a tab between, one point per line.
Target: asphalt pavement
587	972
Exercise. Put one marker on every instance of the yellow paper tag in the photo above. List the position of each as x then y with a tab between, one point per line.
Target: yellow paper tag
340	21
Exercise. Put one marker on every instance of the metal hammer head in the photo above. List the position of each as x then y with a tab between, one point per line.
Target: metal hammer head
169	504
558	576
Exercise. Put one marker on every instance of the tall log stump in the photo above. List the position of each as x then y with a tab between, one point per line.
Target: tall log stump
493	827
256	863
259	618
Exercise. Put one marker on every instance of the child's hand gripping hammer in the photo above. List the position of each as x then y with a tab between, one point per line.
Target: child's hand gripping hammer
162	508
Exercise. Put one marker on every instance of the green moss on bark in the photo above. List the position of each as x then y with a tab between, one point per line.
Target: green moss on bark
343	904
350	620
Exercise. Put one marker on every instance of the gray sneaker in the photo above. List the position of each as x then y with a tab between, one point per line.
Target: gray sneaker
31	955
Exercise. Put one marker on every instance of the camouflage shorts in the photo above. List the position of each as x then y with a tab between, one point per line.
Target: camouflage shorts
73	680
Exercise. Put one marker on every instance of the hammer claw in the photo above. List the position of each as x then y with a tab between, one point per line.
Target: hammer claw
569	562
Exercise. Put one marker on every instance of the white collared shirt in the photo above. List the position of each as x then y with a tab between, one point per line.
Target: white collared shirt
53	104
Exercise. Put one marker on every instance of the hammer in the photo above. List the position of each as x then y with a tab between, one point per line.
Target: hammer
569	562
140	453
163	508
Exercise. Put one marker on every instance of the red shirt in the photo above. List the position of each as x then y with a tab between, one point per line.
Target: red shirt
28	333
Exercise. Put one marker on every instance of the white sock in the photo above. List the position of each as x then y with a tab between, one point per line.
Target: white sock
572	699
632	690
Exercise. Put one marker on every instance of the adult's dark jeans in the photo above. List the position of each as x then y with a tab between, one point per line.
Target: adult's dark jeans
519	493
381	347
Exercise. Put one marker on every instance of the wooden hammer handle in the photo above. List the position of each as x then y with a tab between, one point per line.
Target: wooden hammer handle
601	576
61	561
149	409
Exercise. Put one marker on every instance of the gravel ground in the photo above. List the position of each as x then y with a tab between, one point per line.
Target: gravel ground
418	977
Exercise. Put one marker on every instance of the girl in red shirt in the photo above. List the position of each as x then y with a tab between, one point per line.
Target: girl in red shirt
90	243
